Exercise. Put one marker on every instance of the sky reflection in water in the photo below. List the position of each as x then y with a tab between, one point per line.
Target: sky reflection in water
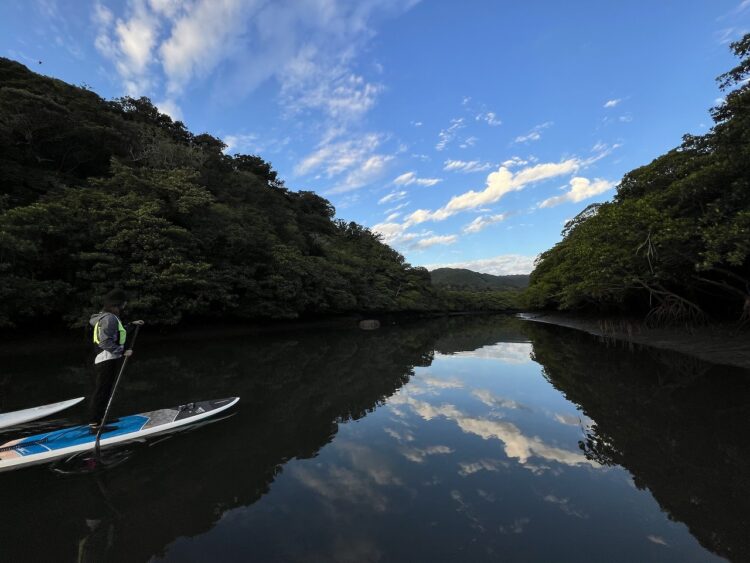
475	459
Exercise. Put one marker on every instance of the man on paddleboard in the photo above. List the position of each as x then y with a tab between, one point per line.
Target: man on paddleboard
109	337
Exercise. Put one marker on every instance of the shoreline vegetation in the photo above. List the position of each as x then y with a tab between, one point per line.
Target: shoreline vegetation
673	245
100	194
718	343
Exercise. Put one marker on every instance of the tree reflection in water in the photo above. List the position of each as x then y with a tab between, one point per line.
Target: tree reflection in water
677	424
296	388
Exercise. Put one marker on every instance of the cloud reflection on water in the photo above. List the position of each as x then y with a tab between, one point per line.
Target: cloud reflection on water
508	352
516	444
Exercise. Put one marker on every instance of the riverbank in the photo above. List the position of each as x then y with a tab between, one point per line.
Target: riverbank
26	340
716	343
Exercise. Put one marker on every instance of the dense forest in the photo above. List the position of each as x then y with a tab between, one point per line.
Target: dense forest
675	241
462	279
99	194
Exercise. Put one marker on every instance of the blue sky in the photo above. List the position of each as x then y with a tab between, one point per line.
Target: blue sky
467	133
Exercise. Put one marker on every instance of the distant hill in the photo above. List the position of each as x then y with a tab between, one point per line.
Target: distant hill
459	278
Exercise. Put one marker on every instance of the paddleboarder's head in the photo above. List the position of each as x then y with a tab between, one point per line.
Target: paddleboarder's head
115	300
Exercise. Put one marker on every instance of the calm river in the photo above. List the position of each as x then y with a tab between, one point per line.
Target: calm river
464	439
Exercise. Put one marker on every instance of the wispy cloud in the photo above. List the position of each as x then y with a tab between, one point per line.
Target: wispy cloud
391	197
516	161
409	178
489	118
333	90
335	157
365	173
436	240
467	468
241	142
535	134
580	189
130	43
468	142
484	221
447	135
612	103
308	49
466	166
418	455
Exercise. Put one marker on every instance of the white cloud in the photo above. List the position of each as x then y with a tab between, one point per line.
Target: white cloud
102	16
657	539
515	161
432	241
535	134
410	178
490	118
365	173
465	166
568	419
392	217
612	103
492	400
171	108
391	232
469	468
580	189
468	142
499	265
332	89
506	352
484	221
564	505
447	135
516	444
418	455
399	206
434	382
340	156
129	43
201	37
393	196
242	142
308	46
499	183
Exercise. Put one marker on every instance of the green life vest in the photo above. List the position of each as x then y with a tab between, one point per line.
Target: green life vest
121	329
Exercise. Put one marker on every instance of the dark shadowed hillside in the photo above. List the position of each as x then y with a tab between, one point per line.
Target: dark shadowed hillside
98	194
462	279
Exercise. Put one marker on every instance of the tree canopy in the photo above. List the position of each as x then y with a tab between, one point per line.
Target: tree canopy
674	243
100	194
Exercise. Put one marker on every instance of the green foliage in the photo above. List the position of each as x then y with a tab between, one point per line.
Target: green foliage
676	239
461	279
99	194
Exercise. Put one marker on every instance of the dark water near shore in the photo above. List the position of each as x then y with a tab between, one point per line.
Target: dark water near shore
472	439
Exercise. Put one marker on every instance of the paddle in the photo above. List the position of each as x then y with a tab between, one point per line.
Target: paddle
112	395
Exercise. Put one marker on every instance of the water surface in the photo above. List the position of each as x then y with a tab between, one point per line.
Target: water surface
477	439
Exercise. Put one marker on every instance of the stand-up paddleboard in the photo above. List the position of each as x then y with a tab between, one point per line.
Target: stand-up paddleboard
27	415
61	443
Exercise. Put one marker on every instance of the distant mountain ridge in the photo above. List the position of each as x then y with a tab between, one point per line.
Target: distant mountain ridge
460	278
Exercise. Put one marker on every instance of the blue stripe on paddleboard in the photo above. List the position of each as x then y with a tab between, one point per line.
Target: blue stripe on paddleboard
76	435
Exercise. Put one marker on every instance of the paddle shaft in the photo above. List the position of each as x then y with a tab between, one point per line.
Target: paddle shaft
112	395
